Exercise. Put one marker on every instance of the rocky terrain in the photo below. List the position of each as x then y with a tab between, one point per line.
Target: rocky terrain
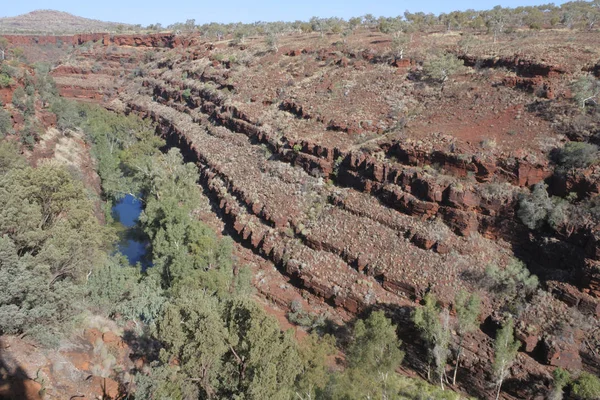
51	22
367	187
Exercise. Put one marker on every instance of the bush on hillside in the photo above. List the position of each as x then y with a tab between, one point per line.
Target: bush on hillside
578	155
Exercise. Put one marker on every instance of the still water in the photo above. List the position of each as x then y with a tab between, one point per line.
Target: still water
127	212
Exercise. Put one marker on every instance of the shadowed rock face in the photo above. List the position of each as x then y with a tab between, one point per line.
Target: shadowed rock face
307	164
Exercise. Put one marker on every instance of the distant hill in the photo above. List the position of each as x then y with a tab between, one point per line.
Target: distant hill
55	22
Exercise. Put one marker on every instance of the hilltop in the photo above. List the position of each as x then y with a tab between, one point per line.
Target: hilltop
54	22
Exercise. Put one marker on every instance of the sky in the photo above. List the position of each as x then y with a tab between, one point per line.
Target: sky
147	12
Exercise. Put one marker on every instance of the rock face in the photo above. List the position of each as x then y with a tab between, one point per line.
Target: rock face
357	215
81	372
162	40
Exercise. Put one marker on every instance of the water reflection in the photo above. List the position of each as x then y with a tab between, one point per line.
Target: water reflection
127	212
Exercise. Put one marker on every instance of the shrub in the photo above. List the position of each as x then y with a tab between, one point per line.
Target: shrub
272	43
534	209
399	44
587	387
5	123
577	155
18	99
585	90
30	90
513	283
5	80
9	71
440	68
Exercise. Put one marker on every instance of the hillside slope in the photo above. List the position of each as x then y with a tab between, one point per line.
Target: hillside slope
299	145
53	22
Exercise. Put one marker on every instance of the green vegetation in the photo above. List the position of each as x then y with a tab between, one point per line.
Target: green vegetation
6	125
533	209
399	45
495	22
586	386
505	352
50	241
561	379
439	68
537	210
468	307
272	42
5	81
578	155
216	343
19	98
586	90
513	284
434	325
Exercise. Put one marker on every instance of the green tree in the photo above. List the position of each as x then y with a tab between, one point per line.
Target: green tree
466	43
5	80
513	284
262	361
586	90
3	47
533	209
373	357
6	125
10	158
375	347
439	68
118	289
272	42
496	21
194	333
354	23
433	324
19	98
400	43
184	250
48	214
468	307
505	352
314	375
50	241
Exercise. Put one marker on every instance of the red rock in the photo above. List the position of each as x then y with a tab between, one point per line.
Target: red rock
529	341
362	262
18	118
423	242
529	175
463	223
92	335
559	353
48	119
6	94
461	198
403	63
111	338
442	248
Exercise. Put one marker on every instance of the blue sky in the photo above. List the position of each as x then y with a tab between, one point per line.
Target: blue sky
151	11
